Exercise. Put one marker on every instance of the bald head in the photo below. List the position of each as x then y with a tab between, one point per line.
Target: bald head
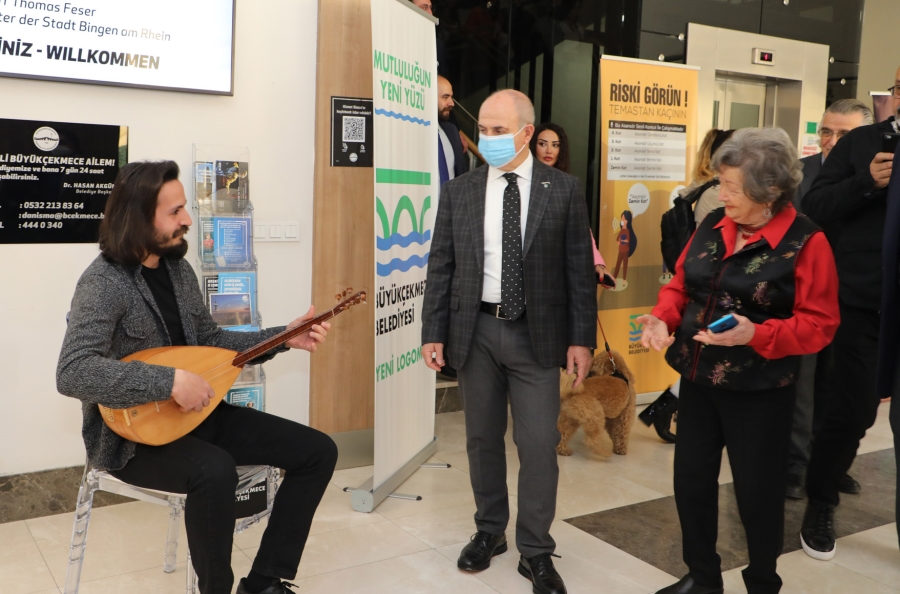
508	112
511	101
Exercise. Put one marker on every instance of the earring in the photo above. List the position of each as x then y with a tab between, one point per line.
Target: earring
768	213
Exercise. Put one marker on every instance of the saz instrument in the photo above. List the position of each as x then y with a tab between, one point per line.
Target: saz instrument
162	422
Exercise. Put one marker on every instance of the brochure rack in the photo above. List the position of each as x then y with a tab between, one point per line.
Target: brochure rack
228	272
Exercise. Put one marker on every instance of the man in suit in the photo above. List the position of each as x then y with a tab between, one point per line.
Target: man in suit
510	297
850	192
452	160
812	383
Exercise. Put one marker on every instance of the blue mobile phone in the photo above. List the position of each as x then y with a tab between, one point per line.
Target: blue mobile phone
722	324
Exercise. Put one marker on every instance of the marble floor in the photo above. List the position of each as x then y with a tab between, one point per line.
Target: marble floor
411	546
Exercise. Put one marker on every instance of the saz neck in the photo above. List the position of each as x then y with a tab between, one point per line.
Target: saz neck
282	337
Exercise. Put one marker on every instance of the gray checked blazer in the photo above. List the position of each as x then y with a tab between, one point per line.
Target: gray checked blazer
560	286
114	315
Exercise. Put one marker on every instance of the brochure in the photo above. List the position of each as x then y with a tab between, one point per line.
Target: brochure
230	309
203	178
232	190
232	245
249	396
241	283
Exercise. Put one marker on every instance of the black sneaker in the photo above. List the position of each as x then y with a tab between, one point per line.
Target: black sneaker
277	587
817	533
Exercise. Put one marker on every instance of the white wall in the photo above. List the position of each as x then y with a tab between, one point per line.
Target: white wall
879	55
271	112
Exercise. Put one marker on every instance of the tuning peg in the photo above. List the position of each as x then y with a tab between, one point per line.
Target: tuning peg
337	297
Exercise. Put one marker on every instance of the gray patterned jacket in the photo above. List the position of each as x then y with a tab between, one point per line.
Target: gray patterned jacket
560	286
114	315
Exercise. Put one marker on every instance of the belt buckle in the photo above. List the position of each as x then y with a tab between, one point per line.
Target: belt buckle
497	314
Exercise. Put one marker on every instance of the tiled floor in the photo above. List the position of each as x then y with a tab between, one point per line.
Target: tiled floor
411	546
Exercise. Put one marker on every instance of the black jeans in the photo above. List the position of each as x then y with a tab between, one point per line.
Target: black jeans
853	404
755	427
202	465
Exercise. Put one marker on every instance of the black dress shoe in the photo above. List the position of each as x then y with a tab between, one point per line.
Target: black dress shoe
687	585
850	485
795	488
544	578
476	555
659	414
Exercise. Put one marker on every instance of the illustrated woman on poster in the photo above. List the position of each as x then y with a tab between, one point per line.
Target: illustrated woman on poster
627	241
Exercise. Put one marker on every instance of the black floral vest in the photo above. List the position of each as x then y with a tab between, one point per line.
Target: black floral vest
757	282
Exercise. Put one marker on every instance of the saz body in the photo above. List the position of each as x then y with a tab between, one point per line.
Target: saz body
162	422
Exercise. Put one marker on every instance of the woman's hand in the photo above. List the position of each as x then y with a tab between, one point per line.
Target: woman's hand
656	333
600	269
737	336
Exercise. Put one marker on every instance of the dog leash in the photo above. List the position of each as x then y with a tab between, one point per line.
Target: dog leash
616	372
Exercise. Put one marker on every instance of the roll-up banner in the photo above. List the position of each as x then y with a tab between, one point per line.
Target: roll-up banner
406	189
648	137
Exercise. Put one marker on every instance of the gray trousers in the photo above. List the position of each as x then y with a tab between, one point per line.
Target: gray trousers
501	361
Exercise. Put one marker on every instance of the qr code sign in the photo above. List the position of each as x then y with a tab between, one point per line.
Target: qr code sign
354	129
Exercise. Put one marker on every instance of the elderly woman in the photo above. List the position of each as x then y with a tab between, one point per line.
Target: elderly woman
772	269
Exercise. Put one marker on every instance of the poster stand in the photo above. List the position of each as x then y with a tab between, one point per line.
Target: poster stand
228	270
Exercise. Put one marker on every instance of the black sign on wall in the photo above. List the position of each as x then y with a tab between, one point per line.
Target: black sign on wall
351	132
55	178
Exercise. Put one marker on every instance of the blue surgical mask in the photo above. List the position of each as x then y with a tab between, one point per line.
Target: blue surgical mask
499	150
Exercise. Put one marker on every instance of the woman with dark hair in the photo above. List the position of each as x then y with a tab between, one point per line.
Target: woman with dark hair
755	288
550	146
627	241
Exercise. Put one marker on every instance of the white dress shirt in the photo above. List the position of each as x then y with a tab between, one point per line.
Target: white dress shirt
448	152
493	223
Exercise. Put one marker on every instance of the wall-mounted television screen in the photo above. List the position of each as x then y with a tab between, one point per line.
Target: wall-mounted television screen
178	45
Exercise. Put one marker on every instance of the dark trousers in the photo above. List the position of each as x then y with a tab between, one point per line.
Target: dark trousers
853	404
895	428
501	361
755	427
202	465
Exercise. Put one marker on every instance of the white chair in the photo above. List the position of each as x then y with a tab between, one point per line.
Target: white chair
94	479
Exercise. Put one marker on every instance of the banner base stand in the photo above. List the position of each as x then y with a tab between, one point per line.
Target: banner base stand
366	499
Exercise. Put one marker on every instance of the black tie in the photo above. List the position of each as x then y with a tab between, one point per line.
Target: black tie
512	286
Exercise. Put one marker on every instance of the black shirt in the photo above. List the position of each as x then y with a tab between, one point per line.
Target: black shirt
161	286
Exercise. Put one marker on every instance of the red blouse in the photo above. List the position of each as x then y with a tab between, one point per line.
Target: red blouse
816	316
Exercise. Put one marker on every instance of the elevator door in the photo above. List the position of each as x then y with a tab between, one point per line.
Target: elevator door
739	104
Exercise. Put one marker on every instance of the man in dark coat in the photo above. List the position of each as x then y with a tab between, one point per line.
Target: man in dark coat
850	192
812	382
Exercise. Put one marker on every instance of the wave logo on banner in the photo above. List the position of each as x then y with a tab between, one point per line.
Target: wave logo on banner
636	330
416	239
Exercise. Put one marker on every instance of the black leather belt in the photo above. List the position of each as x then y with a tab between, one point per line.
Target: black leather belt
495	310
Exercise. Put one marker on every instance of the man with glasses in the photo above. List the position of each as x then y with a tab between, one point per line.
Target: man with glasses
812	382
849	193
841	116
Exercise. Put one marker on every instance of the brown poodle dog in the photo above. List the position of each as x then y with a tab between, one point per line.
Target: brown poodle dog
600	401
